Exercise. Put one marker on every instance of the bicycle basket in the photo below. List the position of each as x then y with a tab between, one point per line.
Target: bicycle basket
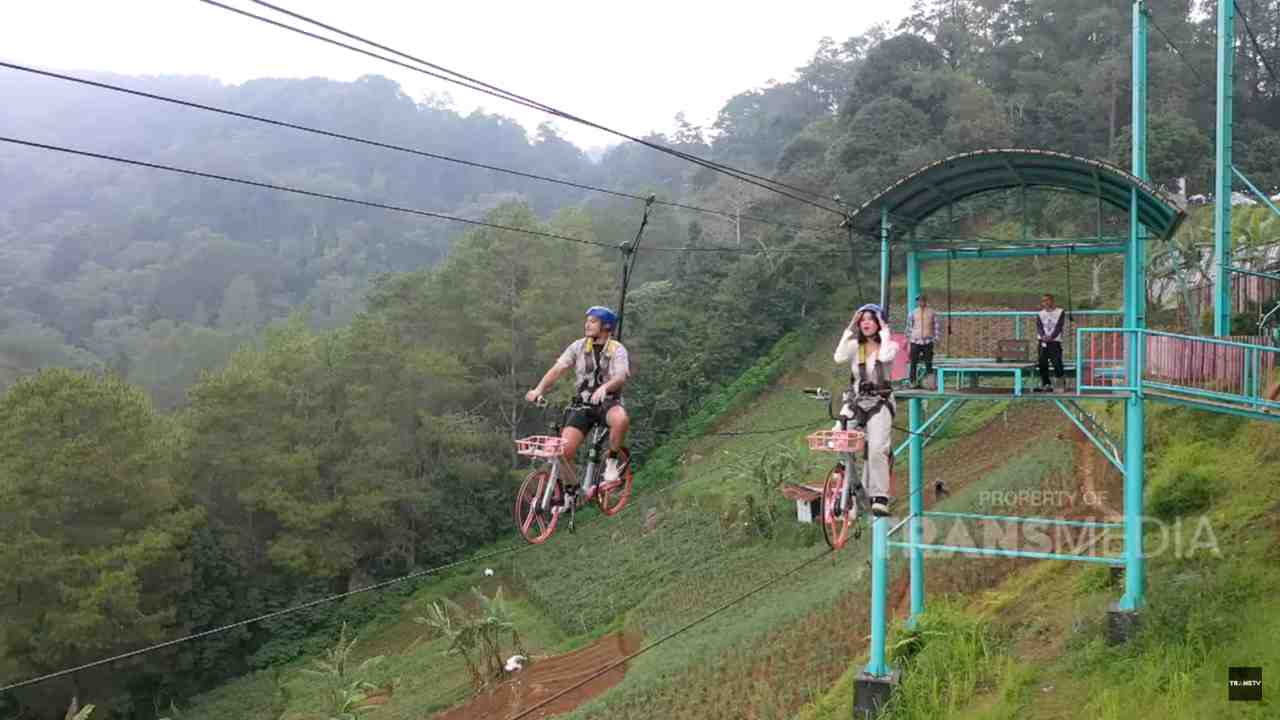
540	446
841	441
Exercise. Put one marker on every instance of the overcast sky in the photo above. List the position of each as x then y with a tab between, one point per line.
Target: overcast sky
631	66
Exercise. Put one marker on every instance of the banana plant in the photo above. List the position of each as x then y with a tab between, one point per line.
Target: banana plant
347	686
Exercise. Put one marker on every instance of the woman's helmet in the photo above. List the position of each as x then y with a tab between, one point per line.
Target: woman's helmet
879	313
604	315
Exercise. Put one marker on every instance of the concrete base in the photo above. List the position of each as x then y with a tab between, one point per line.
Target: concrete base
1122	625
871	693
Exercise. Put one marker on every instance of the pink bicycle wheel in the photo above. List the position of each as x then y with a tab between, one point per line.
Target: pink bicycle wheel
534	524
835	527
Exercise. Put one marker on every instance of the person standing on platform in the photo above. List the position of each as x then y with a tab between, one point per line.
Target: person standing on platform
922	329
1049	322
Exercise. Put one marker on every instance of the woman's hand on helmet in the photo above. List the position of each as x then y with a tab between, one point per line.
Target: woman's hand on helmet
533	396
599	395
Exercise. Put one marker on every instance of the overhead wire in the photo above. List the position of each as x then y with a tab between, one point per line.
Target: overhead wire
435	215
674	633
511	550
391	146
378	205
1257	47
1178	51
741	175
260	618
529	102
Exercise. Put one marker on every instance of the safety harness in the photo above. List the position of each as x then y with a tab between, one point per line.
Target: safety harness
862	385
595	368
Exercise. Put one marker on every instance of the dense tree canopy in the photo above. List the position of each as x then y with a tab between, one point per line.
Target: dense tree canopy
338	386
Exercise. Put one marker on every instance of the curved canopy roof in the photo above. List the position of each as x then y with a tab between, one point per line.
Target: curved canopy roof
918	195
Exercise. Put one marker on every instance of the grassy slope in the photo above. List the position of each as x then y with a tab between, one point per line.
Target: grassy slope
427	681
674	556
571	590
668	559
1041	632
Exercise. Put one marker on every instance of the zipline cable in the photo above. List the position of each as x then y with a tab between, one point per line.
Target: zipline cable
388	146
718	167
628	262
511	550
367	203
1257	48
534	104
261	618
674	633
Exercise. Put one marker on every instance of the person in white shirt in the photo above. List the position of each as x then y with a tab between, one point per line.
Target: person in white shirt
867	347
602	367
1049	322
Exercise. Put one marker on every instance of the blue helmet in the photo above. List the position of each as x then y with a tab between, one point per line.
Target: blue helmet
604	315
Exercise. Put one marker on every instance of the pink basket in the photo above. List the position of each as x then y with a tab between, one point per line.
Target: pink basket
540	446
841	441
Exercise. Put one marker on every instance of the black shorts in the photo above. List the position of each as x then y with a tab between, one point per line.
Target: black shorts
583	419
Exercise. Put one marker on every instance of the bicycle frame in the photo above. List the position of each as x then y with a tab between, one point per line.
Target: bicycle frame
562	470
846	459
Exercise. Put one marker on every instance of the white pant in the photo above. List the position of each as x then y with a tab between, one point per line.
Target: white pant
875	472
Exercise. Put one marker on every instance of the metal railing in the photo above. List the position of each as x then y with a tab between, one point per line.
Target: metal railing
1229	370
974	333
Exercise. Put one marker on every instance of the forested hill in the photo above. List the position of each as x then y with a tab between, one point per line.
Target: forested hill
108	264
366	367
160	276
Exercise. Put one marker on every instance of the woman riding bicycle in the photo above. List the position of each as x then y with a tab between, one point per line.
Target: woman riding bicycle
602	367
867	347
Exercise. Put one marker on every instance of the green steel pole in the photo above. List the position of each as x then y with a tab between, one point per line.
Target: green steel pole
879	594
916	459
1222	172
884	259
1135	302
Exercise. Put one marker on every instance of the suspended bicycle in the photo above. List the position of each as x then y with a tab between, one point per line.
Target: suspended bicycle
552	489
843	500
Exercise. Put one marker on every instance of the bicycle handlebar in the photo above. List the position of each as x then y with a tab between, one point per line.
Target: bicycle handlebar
818	393
574	404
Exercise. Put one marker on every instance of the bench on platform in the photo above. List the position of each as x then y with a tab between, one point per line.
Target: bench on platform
976	368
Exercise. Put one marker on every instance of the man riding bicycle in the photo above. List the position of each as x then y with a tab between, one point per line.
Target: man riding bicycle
601	367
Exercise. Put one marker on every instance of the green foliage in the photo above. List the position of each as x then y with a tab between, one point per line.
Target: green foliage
344	679
93	542
946	660
661	467
766	474
1185	482
1183	493
368	434
477	636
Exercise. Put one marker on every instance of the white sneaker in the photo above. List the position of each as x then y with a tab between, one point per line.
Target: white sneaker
612	473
